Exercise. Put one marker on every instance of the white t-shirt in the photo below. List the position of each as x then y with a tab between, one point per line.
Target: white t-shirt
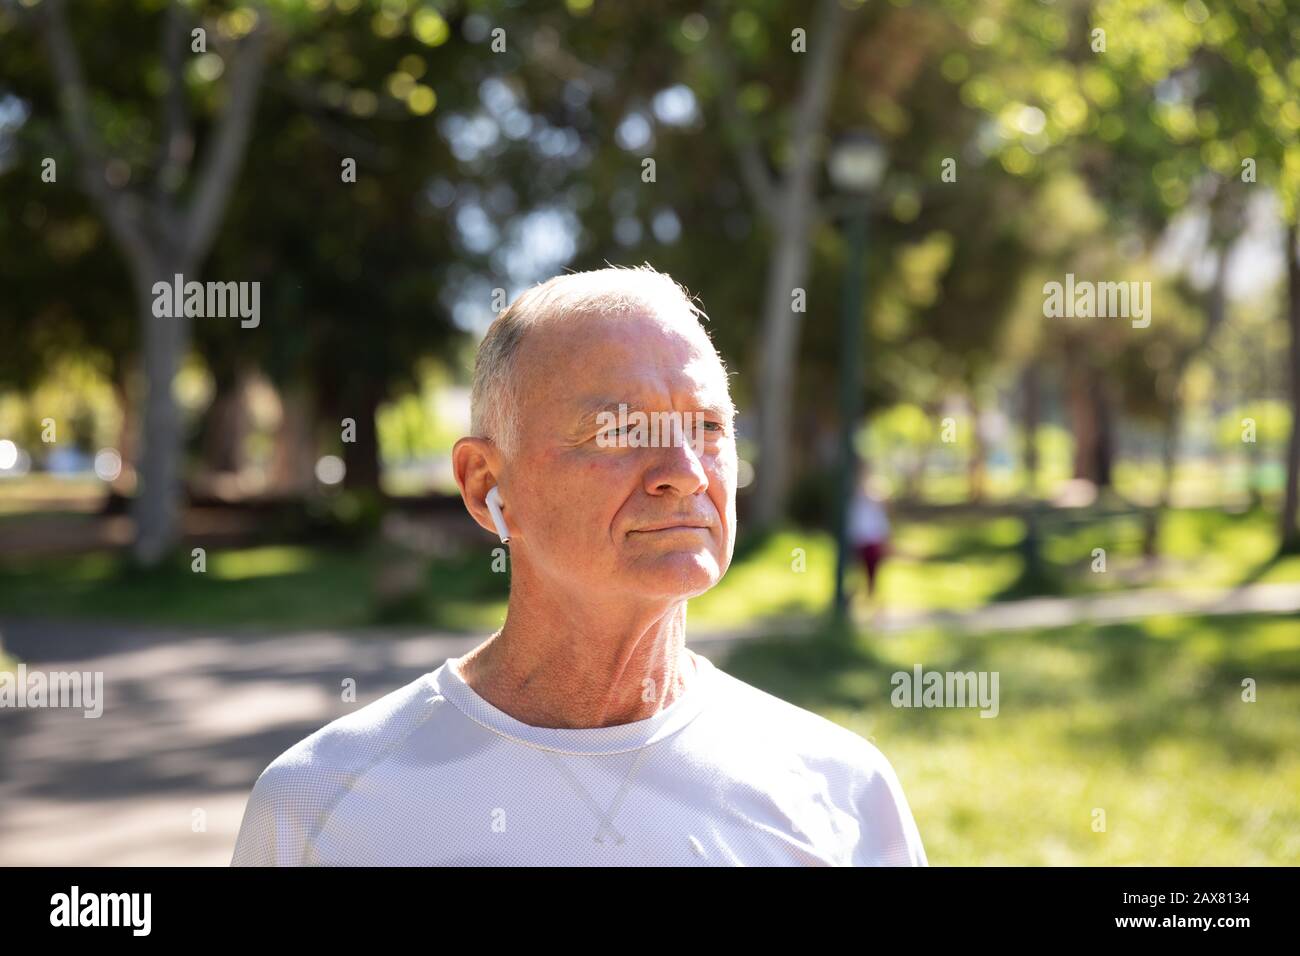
434	775
868	523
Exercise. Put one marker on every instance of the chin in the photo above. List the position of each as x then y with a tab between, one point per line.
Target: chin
677	574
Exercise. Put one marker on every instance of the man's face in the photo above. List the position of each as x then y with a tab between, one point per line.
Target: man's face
615	522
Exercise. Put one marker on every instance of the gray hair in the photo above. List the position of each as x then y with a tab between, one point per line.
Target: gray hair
618	291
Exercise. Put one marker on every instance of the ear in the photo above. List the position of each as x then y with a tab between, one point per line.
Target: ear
475	463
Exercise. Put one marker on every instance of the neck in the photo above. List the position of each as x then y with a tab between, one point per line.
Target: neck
556	663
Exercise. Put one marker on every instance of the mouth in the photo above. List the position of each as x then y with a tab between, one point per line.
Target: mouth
671	528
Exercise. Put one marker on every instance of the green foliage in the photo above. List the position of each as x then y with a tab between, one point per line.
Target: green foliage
1272	427
1066	158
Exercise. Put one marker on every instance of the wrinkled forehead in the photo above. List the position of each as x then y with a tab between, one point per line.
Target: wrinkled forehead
649	351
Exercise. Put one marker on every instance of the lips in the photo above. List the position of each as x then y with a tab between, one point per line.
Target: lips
675	526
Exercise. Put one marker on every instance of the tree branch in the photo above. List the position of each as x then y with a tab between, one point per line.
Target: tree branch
176	147
814	96
121	208
225	154
753	169
335	133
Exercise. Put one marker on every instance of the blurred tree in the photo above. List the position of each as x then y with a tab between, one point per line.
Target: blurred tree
786	200
354	258
1226	84
166	227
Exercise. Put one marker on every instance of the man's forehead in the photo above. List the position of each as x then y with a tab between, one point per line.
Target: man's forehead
587	404
698	385
665	326
585	359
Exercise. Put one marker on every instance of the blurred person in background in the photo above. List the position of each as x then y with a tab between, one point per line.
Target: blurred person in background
868	527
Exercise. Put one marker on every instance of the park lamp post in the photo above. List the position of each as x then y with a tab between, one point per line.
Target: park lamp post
856	166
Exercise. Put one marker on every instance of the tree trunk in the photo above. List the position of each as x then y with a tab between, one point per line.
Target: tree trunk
1090	416
128	433
361	457
160	236
157	504
1105	448
975	467
792	209
1289	533
1083	419
914	483
294	462
1031	412
1168	466
780	342
227	426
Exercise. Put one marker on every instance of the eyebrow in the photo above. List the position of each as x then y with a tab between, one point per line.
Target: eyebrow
588	411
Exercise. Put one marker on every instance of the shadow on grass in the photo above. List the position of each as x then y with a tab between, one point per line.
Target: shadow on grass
1034	580
1117	692
961	542
1261	569
803	669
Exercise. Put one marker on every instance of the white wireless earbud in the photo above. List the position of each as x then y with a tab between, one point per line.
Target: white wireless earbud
494	508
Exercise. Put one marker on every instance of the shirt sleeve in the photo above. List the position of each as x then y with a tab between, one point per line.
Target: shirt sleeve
889	835
274	831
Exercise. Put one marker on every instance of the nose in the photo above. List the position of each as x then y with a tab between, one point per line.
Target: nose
675	467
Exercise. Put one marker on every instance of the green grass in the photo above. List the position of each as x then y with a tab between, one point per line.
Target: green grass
1198	548
966	561
788	573
953	562
1144	721
296	586
263	587
960	562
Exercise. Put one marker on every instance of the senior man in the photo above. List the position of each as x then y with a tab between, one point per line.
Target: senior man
585	732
